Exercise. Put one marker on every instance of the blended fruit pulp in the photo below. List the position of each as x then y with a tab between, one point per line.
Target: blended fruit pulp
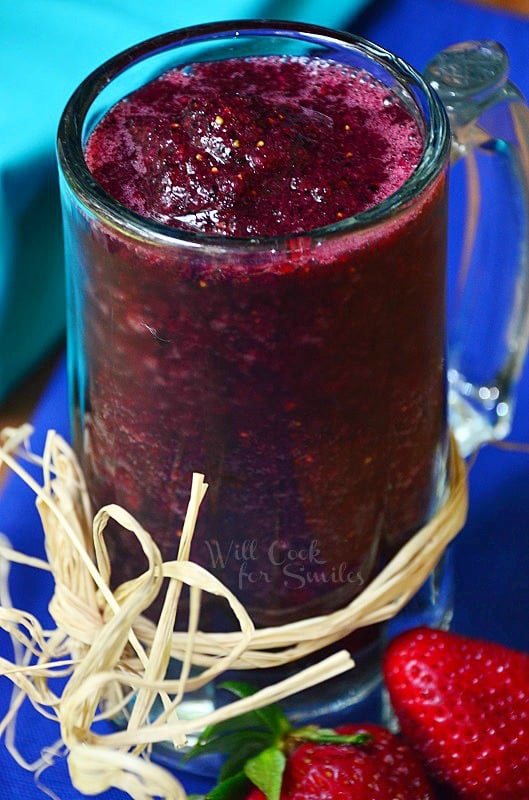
304	376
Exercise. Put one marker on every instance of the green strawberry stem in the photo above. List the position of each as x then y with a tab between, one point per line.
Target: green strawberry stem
327	736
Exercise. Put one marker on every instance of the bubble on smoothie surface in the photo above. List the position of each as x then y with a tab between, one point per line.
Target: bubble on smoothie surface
251	147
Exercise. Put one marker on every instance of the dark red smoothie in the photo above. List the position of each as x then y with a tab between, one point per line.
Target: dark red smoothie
304	376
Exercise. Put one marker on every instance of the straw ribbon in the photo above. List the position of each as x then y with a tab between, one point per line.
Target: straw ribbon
110	651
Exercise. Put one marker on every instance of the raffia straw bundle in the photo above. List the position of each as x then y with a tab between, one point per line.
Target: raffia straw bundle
110	652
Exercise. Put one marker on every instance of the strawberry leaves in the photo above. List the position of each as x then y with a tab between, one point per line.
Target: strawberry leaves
247	748
266	771
256	746
234	788
270	716
252	744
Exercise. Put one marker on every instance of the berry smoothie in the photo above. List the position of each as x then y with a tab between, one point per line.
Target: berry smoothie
303	375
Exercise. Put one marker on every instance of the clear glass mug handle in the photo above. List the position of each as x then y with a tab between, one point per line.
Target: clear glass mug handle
489	321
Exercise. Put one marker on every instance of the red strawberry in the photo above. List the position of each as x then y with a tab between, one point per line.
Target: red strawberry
383	768
463	704
267	759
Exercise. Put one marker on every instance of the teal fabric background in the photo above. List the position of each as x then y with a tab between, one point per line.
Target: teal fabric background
46	48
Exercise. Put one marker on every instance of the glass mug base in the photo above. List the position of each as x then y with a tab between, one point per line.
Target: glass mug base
354	696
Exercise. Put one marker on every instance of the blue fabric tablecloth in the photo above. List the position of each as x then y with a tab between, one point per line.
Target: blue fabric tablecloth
491	555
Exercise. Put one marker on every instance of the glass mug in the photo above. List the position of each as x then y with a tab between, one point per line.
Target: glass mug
305	374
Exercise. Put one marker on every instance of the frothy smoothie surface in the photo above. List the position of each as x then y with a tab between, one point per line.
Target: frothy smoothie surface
261	146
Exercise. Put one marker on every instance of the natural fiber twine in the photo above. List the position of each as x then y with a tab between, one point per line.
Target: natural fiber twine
110	652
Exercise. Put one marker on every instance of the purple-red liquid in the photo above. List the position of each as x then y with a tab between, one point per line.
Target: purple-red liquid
256	147
304	378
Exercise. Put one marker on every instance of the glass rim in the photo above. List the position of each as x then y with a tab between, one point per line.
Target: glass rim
76	173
